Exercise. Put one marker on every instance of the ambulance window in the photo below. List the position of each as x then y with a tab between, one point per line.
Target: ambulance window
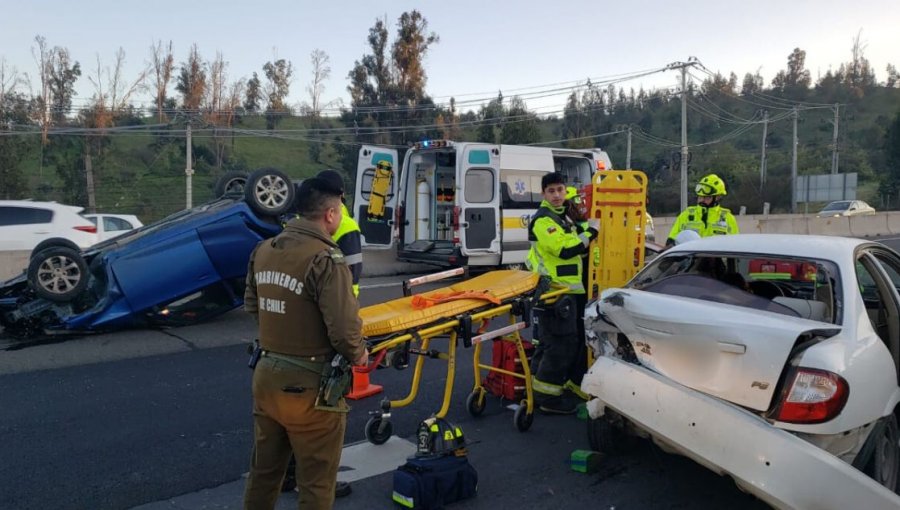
520	190
479	186
576	171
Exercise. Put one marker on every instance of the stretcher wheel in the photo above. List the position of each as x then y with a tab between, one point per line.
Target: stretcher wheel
523	418
475	402
377	433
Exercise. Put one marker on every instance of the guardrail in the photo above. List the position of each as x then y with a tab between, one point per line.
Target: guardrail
873	225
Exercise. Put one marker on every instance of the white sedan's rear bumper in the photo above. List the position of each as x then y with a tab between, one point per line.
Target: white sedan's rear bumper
776	466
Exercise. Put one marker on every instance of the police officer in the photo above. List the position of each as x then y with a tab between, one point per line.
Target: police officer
299	290
707	218
348	236
557	244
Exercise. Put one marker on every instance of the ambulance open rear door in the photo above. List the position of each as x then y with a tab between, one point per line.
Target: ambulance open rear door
375	203
479	216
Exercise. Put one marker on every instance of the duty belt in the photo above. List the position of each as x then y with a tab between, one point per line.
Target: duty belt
313	366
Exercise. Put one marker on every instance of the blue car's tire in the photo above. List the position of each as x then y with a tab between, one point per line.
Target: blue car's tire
58	273
269	192
231	183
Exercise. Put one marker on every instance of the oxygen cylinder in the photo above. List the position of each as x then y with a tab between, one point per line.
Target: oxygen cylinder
423	210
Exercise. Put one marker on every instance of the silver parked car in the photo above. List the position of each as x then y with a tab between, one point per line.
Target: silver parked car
846	208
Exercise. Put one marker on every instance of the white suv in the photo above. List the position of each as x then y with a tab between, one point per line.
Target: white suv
24	224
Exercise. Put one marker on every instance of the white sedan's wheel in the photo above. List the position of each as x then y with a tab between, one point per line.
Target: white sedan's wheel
886	462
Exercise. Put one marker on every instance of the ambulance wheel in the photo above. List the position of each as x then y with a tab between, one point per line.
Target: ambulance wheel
522	418
476	402
373	434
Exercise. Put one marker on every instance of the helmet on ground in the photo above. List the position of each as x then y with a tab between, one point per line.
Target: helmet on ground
710	186
438	436
686	236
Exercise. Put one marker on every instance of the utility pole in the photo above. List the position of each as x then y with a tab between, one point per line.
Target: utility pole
794	166
188	168
762	160
684	148
834	141
628	150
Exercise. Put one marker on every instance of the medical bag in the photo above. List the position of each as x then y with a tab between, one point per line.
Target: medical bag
506	357
429	483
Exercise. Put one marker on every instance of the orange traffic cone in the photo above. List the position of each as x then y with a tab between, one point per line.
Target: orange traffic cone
361	388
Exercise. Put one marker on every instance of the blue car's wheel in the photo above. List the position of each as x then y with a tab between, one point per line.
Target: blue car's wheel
231	183
269	192
58	273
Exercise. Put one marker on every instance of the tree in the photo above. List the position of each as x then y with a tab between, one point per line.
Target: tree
13	111
795	80
163	62
893	77
409	50
321	71
191	81
216	104
252	94
278	74
752	84
491	118
57	74
111	98
890	181
574	124
858	73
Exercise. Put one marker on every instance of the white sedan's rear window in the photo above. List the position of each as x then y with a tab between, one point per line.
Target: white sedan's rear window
804	288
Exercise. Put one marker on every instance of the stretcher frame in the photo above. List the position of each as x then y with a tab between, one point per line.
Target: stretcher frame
379	428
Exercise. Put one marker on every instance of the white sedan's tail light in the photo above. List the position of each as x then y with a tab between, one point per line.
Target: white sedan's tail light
813	396
91	229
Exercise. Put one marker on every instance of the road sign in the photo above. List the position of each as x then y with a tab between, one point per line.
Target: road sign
826	187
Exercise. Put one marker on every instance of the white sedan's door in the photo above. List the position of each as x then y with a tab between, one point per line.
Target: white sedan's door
731	352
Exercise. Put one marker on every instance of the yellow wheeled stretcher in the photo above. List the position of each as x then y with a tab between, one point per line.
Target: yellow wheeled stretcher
401	327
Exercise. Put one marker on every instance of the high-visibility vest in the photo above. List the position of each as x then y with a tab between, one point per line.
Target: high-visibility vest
719	221
351	248
556	248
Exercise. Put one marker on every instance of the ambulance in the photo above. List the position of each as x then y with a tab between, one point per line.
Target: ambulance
460	203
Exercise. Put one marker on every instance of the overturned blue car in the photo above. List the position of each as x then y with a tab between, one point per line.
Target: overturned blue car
182	269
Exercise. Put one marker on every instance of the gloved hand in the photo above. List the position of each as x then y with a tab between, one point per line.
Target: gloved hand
593	233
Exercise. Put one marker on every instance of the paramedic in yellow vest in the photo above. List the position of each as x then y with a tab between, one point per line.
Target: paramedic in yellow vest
707	218
347	237
557	244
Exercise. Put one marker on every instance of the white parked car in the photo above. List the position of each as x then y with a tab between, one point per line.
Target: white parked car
845	208
772	359
112	225
24	224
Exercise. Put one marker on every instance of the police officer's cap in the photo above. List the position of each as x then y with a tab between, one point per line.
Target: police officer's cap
316	184
333	179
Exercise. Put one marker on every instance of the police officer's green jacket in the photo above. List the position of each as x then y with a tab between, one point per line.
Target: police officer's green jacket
349	240
556	247
706	221
299	290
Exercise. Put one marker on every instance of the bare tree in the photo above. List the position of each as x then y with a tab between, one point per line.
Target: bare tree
43	55
163	63
278	74
215	103
112	97
321	71
10	80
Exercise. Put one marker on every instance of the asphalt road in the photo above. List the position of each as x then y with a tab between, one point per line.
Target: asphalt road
120	420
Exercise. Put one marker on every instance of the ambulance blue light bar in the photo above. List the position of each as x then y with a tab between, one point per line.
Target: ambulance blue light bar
432	144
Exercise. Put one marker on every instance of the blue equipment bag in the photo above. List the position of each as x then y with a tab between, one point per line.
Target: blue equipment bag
429	483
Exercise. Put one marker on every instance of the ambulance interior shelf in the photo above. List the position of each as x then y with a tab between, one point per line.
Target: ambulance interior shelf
444	197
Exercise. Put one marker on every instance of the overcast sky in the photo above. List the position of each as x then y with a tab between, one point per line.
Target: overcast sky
485	45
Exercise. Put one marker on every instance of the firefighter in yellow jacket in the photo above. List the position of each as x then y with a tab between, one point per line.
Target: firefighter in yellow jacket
557	246
707	218
299	290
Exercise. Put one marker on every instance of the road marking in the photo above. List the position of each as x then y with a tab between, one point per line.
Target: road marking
365	460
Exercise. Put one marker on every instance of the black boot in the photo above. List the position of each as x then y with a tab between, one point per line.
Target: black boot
567	403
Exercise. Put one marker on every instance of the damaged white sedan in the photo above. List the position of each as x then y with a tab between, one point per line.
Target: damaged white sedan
770	359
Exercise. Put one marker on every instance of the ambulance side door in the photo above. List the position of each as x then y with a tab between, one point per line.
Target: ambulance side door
479	201
377	192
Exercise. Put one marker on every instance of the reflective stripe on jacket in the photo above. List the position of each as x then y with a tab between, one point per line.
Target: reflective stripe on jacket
717	220
556	248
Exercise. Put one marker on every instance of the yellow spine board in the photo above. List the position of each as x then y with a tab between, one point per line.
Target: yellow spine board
618	200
